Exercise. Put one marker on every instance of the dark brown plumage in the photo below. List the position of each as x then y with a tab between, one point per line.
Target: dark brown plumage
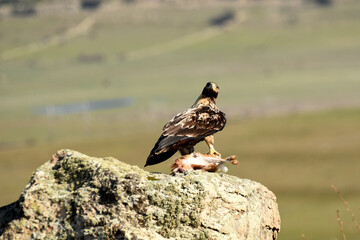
186	129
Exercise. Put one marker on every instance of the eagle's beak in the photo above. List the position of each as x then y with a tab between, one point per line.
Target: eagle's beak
214	87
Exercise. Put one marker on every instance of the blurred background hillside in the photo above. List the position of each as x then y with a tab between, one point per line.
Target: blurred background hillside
103	77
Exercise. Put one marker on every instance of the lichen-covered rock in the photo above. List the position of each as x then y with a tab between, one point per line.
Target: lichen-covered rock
74	196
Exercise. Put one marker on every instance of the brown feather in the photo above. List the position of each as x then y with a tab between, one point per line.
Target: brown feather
188	128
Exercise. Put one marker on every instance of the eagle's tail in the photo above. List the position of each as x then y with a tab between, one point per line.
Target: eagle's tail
156	157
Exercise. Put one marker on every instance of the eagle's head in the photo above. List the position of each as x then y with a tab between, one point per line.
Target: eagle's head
210	90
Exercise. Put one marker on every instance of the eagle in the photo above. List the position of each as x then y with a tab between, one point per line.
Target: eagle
200	122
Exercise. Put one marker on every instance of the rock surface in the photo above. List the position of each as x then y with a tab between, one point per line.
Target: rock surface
74	196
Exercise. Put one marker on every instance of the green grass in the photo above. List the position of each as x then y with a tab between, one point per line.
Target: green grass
280	60
298	157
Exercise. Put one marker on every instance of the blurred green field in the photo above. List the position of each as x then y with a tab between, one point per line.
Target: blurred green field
289	81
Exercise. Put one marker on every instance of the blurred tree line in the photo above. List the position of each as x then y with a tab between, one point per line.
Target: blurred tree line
28	7
22	7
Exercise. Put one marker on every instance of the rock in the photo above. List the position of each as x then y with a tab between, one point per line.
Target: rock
74	196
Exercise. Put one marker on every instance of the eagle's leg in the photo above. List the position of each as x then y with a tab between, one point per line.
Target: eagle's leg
186	150
210	142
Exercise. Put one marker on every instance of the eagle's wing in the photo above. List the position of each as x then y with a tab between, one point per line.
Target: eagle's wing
194	123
